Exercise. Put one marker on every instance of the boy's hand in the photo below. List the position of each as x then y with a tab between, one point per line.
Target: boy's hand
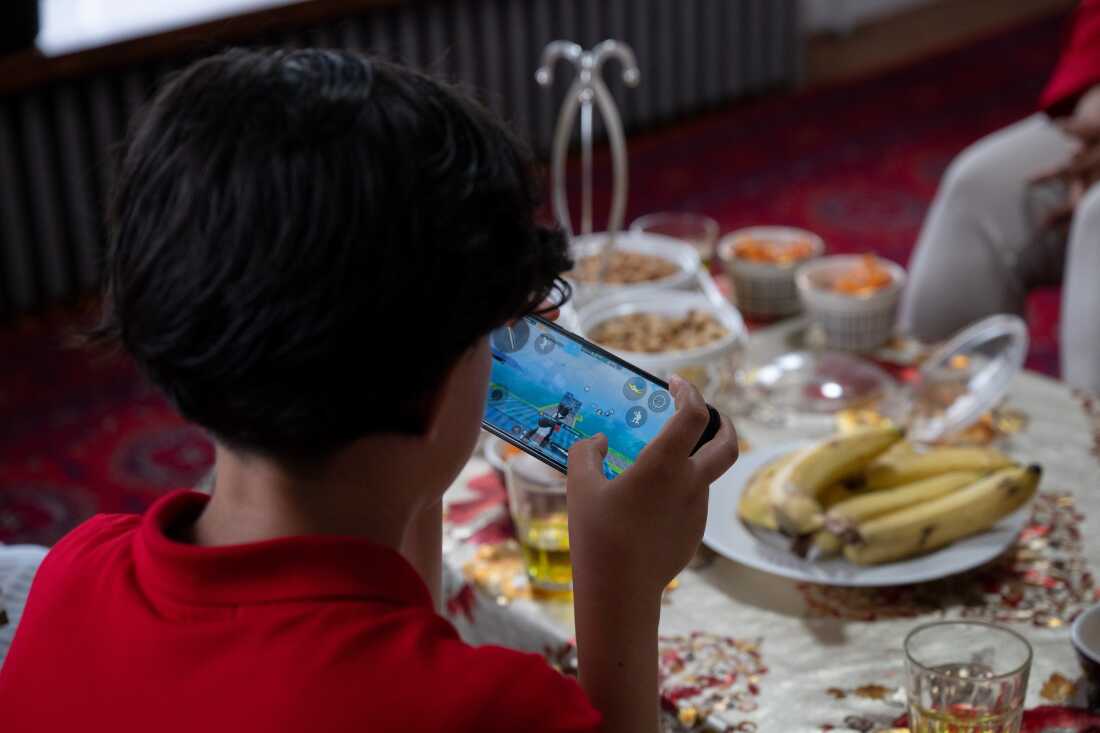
638	531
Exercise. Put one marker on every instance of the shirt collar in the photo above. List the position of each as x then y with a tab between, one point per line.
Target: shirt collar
310	567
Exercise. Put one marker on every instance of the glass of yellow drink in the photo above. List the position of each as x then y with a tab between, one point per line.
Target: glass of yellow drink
966	677
536	496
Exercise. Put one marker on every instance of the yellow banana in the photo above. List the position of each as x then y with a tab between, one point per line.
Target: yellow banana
837	493
796	489
898	467
825	541
933	524
842	519
755	505
826	544
899	450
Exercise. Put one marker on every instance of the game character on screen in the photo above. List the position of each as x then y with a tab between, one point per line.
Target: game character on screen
550	423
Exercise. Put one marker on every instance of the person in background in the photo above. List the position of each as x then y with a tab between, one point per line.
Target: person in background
309	252
1019	209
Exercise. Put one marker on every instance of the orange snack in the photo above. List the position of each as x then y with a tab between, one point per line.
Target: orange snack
773	252
863	279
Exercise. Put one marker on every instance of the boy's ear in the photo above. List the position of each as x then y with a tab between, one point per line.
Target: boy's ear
434	412
459	397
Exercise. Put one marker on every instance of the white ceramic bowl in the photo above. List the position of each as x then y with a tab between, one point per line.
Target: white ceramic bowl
679	253
855	323
762	289
702	366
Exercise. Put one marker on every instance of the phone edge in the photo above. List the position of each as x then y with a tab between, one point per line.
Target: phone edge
708	432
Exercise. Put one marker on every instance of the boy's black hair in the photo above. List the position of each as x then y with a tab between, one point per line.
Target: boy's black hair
303	242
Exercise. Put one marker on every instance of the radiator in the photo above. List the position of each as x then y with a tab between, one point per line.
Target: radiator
57	142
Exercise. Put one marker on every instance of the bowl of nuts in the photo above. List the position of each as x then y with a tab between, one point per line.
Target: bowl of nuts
761	263
669	331
638	261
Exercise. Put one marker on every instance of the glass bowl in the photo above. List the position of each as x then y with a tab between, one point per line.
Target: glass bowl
682	255
708	367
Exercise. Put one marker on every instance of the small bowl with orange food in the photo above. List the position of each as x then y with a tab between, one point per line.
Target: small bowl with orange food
761	263
853	298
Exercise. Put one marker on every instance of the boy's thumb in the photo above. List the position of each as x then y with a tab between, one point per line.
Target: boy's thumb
586	456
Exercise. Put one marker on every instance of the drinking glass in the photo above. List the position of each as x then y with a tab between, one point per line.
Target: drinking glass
697	230
536	496
966	677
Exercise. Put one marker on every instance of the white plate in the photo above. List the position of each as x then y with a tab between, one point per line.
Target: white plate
758	548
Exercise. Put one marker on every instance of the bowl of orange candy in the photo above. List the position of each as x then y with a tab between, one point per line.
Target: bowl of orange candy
853	298
761	264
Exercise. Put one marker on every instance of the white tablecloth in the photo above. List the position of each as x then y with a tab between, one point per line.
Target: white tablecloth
749	651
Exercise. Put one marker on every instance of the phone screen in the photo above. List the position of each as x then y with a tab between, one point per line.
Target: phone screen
550	388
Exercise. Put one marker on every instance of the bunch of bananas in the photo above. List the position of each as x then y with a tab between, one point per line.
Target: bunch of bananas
877	498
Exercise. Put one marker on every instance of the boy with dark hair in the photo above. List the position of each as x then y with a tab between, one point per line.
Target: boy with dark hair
309	250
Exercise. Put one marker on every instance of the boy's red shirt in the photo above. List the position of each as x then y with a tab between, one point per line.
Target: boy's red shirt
128	630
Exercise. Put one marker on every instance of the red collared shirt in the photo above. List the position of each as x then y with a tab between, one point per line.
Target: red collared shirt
129	630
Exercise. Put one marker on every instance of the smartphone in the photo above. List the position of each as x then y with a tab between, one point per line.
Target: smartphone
550	388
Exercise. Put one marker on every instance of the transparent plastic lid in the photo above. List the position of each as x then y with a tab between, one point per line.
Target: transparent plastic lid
818	383
966	377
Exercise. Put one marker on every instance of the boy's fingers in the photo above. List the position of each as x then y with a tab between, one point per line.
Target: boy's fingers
719	453
586	457
682	431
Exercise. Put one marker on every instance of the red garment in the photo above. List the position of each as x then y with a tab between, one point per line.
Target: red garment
1079	66
128	630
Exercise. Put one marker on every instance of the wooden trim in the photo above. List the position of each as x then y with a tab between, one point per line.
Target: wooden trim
897	40
27	69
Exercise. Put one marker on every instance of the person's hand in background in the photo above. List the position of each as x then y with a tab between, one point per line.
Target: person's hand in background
1083	168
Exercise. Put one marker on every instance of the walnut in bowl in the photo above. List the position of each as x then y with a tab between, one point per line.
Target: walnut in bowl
654	333
624	268
639	261
669	331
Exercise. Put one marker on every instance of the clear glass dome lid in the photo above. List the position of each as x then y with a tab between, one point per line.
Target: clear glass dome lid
818	382
966	377
957	384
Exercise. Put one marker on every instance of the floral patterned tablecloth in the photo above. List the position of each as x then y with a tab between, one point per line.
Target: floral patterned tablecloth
742	650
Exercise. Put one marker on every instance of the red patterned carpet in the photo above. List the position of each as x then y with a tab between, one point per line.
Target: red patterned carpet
856	163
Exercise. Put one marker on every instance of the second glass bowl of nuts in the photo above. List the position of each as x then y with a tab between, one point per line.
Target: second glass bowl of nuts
669	331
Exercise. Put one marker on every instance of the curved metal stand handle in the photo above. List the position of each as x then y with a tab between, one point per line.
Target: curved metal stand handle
617	140
588	89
